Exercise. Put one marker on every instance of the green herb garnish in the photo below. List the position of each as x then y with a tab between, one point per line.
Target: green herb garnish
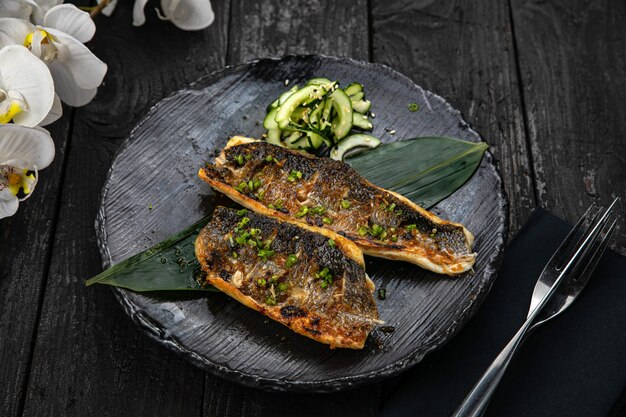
414	107
291	260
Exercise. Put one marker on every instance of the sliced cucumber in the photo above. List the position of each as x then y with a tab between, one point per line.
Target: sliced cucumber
269	122
318	81
353	141
305	94
293	138
315	140
326	113
302	143
353	88
316	114
361	106
342	123
284	96
358	96
361	121
273	137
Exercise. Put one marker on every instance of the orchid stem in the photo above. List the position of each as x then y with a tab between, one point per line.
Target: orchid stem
96	10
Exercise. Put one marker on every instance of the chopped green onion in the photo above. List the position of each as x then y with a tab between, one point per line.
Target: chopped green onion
241	187
270	301
363	230
302	211
239	159
283	286
261	282
382	293
331	243
327	220
291	260
241	212
377	230
410	227
414	107
317	210
345	204
266	254
294	175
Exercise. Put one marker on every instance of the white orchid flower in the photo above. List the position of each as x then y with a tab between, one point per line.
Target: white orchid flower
23	151
185	14
33	10
76	71
26	88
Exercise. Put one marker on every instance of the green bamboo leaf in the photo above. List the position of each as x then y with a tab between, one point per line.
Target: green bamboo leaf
169	265
425	170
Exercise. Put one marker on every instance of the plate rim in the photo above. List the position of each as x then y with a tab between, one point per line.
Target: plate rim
284	385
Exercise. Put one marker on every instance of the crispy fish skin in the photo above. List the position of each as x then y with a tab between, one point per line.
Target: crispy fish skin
339	311
381	223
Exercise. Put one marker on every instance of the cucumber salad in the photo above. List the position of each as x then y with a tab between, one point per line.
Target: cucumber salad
321	118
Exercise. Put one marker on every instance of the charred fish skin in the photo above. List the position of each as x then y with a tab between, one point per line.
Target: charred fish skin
330	194
311	280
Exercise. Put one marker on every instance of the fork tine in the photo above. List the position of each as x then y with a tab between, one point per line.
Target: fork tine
572	261
589	240
558	256
596	254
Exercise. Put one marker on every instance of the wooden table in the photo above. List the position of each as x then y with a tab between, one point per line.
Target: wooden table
543	82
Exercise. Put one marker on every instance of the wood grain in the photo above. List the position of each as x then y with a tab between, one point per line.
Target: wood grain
464	52
572	64
89	359
274	28
25	245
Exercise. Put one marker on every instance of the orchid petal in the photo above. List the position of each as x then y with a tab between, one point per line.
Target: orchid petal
139	17
71	20
33	145
86	69
66	87
55	112
189	14
36	13
15	8
8	203
21	72
108	10
44	6
14	31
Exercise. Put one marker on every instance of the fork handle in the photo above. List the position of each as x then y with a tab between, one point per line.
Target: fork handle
477	400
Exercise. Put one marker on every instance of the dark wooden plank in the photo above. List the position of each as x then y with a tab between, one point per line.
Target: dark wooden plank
25	244
89	358
275	28
572	66
464	52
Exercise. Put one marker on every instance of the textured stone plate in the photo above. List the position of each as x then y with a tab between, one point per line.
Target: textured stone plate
158	164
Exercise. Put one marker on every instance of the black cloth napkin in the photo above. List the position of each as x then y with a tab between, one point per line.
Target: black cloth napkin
573	366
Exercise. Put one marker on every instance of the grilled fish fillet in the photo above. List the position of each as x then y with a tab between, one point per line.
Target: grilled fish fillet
309	279
326	193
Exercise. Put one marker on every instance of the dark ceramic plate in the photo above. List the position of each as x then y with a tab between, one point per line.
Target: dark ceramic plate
158	164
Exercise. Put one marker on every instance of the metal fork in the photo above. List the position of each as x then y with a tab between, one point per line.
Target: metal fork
572	264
